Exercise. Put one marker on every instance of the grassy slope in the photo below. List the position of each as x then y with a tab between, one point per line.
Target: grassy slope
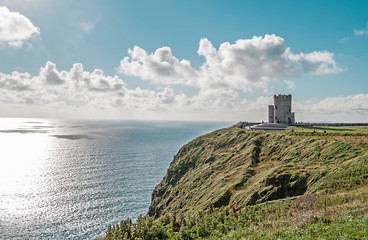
327	216
244	167
234	183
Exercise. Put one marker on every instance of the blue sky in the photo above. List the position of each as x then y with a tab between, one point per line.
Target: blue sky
71	59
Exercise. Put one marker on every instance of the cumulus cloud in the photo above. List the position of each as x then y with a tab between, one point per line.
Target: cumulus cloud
61	91
317	62
15	81
350	104
62	88
219	84
166	96
50	74
95	81
161	67
361	32
352	108
81	90
15	28
246	64
254	61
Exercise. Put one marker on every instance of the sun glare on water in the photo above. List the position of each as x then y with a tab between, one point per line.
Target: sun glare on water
23	153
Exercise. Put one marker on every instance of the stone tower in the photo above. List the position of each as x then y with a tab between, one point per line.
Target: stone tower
280	111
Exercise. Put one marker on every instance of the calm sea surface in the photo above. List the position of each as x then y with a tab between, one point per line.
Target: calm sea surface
69	180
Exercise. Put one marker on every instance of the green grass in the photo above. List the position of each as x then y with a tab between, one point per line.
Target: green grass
306	217
242	167
235	183
329	131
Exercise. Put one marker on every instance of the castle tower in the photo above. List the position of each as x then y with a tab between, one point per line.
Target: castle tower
280	111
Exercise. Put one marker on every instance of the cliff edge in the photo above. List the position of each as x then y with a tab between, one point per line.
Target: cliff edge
237	167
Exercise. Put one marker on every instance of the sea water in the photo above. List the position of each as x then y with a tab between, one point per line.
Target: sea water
70	180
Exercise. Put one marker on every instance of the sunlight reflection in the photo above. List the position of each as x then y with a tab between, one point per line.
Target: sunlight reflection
23	156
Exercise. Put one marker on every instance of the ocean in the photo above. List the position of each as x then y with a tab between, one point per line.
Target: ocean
71	179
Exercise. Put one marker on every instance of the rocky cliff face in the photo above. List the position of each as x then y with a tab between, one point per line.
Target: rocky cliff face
243	167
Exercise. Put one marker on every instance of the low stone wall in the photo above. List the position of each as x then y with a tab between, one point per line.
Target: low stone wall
330	124
247	124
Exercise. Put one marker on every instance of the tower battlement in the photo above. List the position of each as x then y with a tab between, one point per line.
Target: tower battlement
282	97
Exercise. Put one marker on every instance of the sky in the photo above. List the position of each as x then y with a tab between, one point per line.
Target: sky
183	60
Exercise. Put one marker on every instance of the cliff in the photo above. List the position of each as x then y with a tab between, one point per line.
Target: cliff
237	167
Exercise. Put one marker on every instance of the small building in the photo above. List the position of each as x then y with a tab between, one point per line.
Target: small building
280	111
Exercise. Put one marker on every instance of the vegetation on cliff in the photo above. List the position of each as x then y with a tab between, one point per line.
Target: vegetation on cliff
243	167
341	216
235	183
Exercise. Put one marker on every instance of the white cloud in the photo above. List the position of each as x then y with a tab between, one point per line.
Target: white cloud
260	104
317	62
166	96
290	84
352	108
255	61
82	91
15	81
50	74
361	32
350	104
54	91
51	86
77	92
246	64
15	28
161	67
